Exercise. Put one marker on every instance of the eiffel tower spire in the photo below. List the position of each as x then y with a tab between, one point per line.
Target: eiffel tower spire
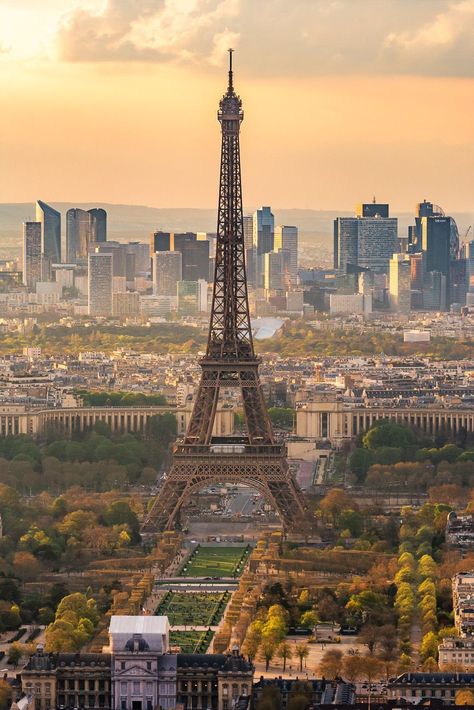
255	458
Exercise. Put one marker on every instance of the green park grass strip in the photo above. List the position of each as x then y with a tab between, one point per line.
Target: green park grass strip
216	561
191	641
193	608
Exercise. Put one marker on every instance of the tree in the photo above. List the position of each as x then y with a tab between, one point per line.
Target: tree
14	654
300	696
429	646
370	636
270	699
267	650
302	652
385	433
76	522
26	566
330	664
284	652
335	502
309	619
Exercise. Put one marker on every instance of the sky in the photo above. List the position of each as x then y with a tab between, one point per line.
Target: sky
116	100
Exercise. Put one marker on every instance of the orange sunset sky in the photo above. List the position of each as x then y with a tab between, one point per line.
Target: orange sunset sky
115	101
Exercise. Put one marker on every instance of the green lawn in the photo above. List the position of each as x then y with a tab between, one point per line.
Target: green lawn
216	561
193	608
191	641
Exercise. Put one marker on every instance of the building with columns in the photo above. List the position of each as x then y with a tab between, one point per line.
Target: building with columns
332	416
17	419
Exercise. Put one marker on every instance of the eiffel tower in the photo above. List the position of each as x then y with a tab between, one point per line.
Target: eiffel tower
256	459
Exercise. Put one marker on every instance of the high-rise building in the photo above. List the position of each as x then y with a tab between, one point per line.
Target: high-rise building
263	239
365	242
436	247
210	237
31	254
286	239
189	293
167	272
119	256
84	229
248	231
98	225
142	256
469	253
50	231
274	270
78	230
195	256
400	283
372	209
100	281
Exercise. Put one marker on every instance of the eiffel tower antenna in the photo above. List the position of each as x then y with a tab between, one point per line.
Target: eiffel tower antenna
201	458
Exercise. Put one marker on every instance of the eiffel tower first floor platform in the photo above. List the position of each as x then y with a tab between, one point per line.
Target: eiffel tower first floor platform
263	468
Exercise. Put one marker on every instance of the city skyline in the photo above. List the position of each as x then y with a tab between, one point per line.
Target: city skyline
387	91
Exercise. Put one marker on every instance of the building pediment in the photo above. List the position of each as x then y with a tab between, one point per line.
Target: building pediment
134	671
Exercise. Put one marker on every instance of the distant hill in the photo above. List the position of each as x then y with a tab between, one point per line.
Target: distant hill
135	222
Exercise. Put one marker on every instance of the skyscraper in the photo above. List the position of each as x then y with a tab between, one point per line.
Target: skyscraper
400	283
273	270
286	239
365	242
50	231
263	239
83	229
77	234
31	254
195	255
248	231
100	284
98	225
192	297
436	247
167	272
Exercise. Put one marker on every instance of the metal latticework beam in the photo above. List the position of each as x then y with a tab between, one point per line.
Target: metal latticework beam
230	360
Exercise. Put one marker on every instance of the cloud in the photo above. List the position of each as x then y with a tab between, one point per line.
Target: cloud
280	37
148	30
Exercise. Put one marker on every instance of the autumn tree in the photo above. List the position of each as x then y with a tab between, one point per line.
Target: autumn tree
302	652
26	566
330	664
284	652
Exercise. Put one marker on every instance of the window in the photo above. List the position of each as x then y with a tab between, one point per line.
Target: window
149	703
123	703
148	665
101	685
123	688
91	701
47	688
92	685
244	690
82	700
122	665
184	686
225	690
225	705
235	690
82	684
136	687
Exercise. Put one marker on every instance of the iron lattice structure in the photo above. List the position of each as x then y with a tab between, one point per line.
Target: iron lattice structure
230	361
